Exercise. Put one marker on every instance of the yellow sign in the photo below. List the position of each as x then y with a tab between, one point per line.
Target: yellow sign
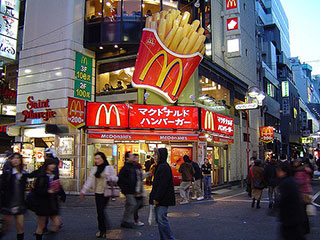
208	121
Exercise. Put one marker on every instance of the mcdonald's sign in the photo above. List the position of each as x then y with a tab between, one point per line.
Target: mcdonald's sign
231	4
160	70
83	77
217	123
107	115
76	112
266	134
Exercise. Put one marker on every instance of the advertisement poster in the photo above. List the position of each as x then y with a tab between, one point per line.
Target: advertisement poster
76	112
83	77
66	168
177	154
65	146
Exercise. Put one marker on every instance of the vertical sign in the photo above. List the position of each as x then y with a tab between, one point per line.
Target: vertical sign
231	4
83	77
76	112
285	89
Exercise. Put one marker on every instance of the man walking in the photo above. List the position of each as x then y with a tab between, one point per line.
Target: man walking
196	187
127	183
162	193
187	172
206	170
270	175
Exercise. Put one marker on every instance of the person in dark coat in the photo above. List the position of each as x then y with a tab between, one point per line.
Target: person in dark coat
187	171
256	176
272	180
47	188
290	205
162	193
12	191
127	183
197	179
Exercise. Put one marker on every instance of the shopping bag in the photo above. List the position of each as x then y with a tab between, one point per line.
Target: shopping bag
112	191
152	215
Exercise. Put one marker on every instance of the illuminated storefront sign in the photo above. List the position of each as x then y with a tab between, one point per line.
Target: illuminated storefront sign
285	89
107	115
166	117
217	123
266	134
76	112
247	106
231	4
232	24
3	129
33	107
306	140
83	77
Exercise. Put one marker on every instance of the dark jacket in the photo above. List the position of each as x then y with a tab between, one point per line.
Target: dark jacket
256	172
270	174
162	187
206	169
128	178
47	203
187	171
197	171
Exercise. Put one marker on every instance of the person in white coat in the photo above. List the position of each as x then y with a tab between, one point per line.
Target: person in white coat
100	177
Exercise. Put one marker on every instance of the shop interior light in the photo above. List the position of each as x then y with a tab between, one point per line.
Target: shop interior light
203	97
37	133
27	71
143	5
115	46
101	47
108	4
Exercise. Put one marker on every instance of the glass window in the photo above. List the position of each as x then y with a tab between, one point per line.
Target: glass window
169	4
207	26
112	10
131	10
93	10
220	94
151	7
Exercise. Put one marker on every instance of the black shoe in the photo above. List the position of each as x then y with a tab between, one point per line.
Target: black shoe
126	225
253	202
258	204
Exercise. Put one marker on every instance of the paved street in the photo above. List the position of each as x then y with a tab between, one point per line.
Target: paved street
228	217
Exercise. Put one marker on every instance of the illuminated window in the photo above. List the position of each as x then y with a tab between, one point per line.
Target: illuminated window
220	94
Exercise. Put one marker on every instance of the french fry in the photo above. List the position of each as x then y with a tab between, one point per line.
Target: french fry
162	29
194	26
186	30
182	45
185	18
198	44
176	39
169	19
148	22
203	50
201	30
163	14
156	17
170	36
192	41
154	25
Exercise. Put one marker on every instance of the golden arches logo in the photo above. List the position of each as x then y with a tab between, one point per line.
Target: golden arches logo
166	69
74	106
231	3
208	121
84	60
108	114
266	131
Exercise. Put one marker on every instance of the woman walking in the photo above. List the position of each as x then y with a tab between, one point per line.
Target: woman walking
13	184
257	182
100	175
47	188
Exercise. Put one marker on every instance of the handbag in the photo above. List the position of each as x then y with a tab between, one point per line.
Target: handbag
112	191
258	184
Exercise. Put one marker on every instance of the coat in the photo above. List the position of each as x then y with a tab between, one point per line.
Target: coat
302	175
257	173
270	174
128	178
187	171
197	171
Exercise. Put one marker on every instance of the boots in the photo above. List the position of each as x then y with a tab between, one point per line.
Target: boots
38	236
253	202
258	204
20	236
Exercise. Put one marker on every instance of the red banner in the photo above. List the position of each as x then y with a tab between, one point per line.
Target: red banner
214	122
107	115
266	134
165	117
76	112
161	70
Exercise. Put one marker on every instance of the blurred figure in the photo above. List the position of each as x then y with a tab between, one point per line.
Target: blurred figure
127	183
272	180
206	171
106	88
50	153
147	166
187	171
162	193
257	182
119	86
290	205
196	186
251	164
303	176
101	173
47	188
12	190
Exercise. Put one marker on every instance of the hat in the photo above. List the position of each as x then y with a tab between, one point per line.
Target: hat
50	151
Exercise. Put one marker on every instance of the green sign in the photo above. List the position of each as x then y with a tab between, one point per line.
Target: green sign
83	77
285	89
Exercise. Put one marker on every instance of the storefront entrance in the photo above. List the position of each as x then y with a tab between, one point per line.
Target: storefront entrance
219	158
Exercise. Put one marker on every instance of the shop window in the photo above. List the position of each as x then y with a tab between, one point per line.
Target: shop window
93	10
112	10
219	94
131	10
151	7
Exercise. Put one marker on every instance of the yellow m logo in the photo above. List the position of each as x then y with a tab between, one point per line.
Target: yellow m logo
108	114
166	69
231	3
208	121
84	60
75	105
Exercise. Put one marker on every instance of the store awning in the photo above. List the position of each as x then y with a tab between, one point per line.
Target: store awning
148	135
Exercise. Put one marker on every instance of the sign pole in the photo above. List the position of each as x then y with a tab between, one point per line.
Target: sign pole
241	161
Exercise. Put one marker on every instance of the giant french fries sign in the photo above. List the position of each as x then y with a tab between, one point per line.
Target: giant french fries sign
168	55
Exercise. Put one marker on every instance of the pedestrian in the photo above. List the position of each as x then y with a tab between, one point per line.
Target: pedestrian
290	205
206	171
272	180
162	193
12	191
257	182
51	153
139	194
187	171
303	175
147	166
127	183
47	189
101	176
197	179
249	190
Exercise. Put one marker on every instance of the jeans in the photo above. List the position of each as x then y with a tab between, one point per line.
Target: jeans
138	206
184	190
207	186
196	187
272	194
101	203
129	208
163	223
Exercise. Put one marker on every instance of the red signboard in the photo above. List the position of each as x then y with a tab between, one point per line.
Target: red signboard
231	4
232	24
177	154
76	112
161	70
165	117
214	122
266	134
3	129
107	115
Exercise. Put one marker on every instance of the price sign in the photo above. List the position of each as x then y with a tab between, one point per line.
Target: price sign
83	77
